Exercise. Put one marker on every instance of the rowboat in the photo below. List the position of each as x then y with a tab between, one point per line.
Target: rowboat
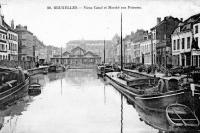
12	82
34	89
180	115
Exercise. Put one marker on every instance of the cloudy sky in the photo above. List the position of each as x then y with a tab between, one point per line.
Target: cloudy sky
58	26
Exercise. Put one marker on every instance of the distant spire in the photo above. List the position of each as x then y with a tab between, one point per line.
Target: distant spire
12	24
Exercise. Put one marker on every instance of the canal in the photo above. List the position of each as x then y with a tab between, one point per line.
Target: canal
76	101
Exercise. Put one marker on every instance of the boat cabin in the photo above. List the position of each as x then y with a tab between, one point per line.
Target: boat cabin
10	78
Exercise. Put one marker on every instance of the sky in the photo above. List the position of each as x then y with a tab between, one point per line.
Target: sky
58	26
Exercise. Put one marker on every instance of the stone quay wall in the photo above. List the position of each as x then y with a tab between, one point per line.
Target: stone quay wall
14	64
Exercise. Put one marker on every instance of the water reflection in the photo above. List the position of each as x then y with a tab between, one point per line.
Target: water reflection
10	115
76	102
156	119
55	76
122	113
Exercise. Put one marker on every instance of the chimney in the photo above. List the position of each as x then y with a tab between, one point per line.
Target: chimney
158	20
12	24
181	19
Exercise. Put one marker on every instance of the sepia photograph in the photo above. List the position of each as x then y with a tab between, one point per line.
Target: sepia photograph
99	66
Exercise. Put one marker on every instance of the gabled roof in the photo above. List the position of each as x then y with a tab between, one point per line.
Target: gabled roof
66	53
197	21
78	48
187	25
165	20
3	28
89	52
192	19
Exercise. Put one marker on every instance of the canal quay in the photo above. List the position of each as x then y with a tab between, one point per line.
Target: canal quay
75	101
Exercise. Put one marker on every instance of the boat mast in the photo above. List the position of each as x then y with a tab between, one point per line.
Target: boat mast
104	53
121	46
61	56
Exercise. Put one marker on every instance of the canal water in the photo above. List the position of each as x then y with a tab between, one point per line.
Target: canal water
76	101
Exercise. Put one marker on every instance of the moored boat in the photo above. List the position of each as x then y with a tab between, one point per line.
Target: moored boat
56	68
155	94
102	69
34	89
180	115
12	82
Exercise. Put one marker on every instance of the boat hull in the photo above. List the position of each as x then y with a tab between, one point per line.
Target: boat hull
101	71
56	69
14	92
158	102
180	115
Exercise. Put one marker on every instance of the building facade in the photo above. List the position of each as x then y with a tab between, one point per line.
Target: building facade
3	43
8	41
185	43
145	52
162	40
96	46
12	38
77	57
26	44
136	52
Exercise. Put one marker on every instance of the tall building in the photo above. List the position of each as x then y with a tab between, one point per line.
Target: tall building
26	49
3	41
146	49
161	40
185	42
12	39
8	41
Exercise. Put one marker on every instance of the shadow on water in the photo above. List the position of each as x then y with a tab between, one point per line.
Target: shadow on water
154	119
10	114
99	107
157	120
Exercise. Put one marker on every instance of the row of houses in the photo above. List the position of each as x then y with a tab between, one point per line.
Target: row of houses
8	41
171	42
20	44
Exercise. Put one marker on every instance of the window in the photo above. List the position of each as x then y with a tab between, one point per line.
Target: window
183	43
178	44
174	44
165	36
188	42
196	29
196	38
